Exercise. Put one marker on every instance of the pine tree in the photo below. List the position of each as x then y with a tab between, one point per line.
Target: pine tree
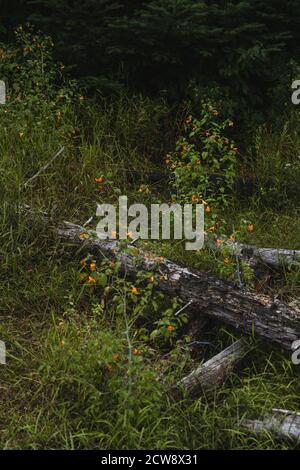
243	46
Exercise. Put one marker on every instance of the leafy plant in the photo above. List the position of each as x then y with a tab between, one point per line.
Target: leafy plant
203	162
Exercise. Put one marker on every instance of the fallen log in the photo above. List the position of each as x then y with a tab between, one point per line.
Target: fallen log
268	257
282	424
216	370
216	298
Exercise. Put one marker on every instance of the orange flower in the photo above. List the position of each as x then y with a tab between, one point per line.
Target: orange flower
83	262
219	242
250	228
208	210
134	291
232	238
93	266
92	280
170	328
226	261
83	236
136	352
196	198
100	180
83	277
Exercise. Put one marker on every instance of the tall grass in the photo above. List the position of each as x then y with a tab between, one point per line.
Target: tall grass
71	381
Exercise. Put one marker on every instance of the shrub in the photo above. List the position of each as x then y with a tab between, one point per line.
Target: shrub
204	160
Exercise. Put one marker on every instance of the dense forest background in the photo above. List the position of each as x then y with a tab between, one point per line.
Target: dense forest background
247	49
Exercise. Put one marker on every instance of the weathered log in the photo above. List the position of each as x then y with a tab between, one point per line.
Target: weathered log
282	424
219	299
216	370
268	257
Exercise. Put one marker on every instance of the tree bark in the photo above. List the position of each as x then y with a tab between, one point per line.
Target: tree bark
268	257
216	370
218	299
280	423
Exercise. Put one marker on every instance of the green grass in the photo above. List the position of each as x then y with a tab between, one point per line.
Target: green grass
59	393
71	381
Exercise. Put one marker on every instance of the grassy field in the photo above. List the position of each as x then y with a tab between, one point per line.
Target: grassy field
91	366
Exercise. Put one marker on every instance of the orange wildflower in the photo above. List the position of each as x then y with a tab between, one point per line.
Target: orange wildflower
100	180
136	352
83	236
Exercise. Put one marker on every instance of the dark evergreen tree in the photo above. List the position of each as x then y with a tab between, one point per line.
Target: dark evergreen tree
243	46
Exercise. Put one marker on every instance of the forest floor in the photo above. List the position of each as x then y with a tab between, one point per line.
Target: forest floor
89	364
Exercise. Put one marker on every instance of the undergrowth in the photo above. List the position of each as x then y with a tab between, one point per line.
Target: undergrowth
92	356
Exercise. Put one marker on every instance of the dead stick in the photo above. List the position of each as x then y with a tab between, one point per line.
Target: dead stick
41	170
